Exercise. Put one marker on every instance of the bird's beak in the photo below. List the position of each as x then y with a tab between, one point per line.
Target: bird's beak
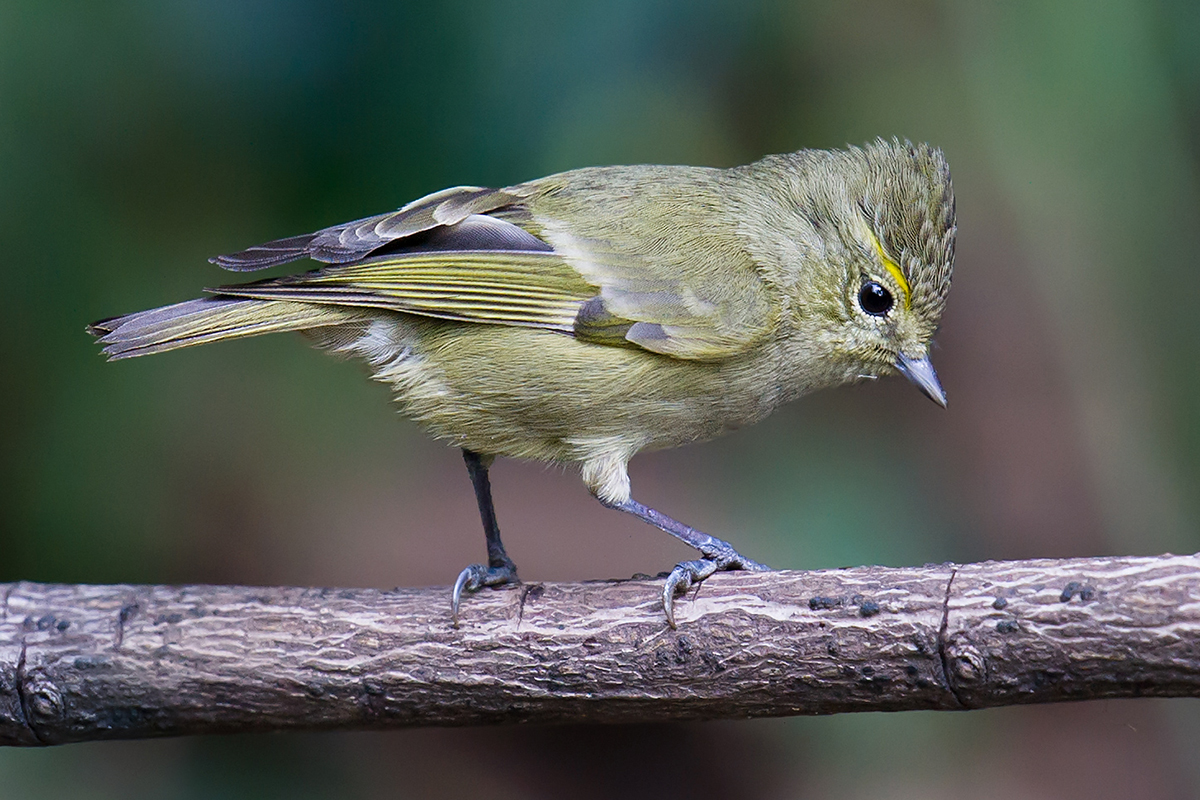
920	372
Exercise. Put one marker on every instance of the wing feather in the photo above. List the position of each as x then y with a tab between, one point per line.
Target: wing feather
536	289
354	241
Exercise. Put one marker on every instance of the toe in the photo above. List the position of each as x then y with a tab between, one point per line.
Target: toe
474	578
468	581
689	573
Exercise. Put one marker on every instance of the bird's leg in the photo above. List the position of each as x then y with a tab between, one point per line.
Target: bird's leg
717	554
500	568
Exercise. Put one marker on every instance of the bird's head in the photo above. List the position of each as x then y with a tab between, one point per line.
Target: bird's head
871	234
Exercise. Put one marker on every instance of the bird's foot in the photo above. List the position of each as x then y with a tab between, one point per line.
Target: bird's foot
477	576
718	557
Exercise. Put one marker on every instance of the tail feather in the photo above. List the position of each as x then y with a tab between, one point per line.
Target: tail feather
209	319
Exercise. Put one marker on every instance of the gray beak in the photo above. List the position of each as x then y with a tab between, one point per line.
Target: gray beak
920	372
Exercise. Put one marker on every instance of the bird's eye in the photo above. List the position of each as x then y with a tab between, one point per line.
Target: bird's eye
875	299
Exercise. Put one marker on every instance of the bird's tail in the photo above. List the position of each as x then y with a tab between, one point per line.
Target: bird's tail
210	319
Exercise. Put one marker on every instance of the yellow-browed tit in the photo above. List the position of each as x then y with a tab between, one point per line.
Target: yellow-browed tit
586	316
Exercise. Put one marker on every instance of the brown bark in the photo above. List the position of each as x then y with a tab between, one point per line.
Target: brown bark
96	662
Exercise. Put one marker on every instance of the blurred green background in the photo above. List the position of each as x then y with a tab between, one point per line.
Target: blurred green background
139	138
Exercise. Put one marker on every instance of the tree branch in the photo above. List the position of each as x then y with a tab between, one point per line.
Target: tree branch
98	662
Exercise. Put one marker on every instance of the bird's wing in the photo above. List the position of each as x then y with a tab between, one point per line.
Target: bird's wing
509	257
507	287
701	315
354	241
663	246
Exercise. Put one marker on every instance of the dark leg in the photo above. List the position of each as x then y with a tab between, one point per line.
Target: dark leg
717	554
500	569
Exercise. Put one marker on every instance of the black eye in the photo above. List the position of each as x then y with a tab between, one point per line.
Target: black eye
875	299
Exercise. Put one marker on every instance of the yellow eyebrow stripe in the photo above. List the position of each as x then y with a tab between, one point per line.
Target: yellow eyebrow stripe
893	268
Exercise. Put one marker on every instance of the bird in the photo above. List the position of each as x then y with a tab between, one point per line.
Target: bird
592	314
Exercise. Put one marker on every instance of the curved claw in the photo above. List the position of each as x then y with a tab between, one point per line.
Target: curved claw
464	578
687	574
474	578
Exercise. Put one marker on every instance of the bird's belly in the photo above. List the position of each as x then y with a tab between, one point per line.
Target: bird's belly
531	393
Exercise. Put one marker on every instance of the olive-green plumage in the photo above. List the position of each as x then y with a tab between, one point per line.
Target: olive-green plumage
591	314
